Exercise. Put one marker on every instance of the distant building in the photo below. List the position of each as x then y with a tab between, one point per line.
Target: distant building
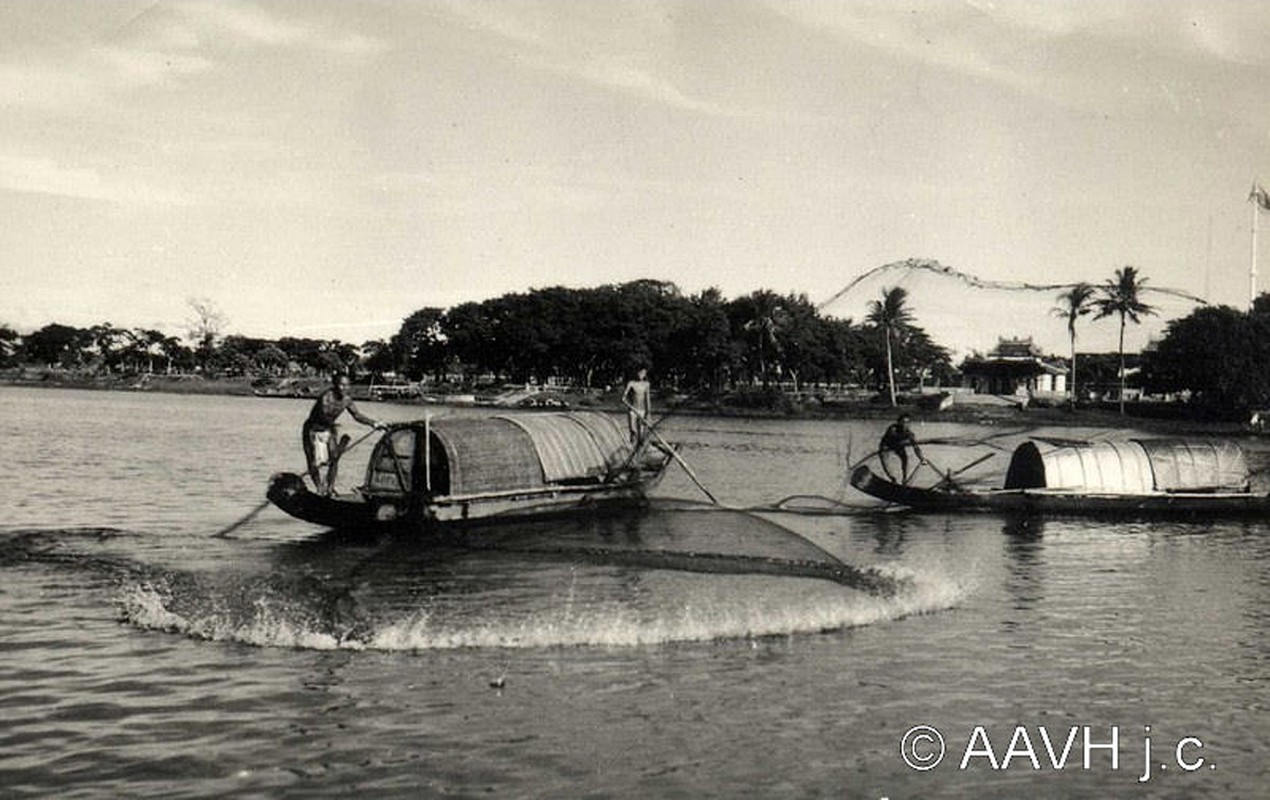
1015	367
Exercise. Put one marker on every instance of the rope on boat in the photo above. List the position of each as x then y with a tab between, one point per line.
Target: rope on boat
810	505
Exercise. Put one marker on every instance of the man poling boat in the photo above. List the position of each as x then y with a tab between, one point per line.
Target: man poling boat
1133	477
434	472
320	434
896	441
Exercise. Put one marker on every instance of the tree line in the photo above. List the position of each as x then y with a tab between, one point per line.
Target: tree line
107	349
703	342
1218	355
589	337
699	342
1216	358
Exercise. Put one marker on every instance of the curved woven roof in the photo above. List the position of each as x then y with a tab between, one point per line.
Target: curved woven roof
518	451
1136	466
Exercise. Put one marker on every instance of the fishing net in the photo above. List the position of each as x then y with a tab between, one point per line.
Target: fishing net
683	536
967	313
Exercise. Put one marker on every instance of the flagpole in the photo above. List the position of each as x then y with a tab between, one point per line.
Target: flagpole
1252	274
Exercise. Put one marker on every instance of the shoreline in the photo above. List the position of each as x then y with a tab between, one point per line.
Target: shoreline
968	414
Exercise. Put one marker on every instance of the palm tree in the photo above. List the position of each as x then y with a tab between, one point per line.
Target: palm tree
1120	295
767	318
890	315
1074	303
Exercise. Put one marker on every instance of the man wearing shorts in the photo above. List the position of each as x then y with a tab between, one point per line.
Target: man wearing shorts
894	445
322	448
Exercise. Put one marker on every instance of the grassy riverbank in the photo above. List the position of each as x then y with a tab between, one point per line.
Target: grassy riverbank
1166	420
174	384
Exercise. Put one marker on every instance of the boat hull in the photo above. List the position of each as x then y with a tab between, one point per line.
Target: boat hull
1061	502
289	493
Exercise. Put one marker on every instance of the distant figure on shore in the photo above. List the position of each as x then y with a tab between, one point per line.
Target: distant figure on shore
894	445
637	397
322	444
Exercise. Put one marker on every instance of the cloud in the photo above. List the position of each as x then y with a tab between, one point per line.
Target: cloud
1080	54
159	47
620	47
1232	32
253	25
138	89
648	85
92	77
43	86
132	67
246	22
961	37
45	176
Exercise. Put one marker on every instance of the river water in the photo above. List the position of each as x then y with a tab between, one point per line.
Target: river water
141	656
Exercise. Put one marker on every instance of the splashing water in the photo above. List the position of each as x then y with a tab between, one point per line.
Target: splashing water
262	623
670	577
674	609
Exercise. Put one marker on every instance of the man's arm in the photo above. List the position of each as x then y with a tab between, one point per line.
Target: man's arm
362	418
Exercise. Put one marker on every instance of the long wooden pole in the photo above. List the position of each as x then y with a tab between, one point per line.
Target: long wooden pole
644	426
250	515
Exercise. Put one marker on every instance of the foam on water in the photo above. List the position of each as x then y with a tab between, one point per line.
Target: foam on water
747	616
263	624
486	600
733	607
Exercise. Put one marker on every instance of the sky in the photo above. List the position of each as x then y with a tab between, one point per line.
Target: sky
323	169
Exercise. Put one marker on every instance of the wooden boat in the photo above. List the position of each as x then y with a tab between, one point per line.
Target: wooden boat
1138	477
513	466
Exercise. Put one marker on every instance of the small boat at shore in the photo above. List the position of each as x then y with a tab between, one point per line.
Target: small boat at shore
429	473
1137	477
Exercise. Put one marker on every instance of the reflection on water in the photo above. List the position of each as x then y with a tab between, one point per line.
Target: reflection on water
1024	541
890	533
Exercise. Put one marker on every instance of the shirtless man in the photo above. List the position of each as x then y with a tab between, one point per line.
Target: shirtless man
321	446
894	444
638	401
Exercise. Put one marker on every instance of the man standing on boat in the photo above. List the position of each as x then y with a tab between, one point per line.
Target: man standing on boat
895	443
637	397
321	445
